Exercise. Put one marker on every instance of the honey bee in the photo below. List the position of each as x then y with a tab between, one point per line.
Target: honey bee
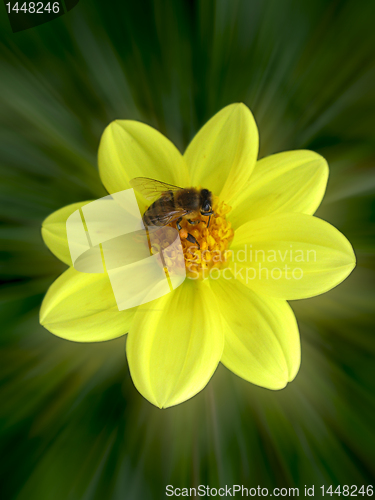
173	203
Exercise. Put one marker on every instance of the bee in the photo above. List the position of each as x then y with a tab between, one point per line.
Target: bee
173	203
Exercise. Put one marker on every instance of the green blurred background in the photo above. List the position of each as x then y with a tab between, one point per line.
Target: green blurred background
73	427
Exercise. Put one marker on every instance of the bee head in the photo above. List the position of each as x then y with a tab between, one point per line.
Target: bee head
206	202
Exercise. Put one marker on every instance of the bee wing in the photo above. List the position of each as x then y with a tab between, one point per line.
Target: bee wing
166	216
151	188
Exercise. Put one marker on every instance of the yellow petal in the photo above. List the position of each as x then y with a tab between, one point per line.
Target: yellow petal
54	231
82	307
222	155
293	181
175	344
261	336
291	256
131	149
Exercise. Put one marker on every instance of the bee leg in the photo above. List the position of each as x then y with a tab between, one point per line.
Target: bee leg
193	221
191	238
210	214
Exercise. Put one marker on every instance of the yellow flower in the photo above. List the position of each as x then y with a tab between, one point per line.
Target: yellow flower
239	315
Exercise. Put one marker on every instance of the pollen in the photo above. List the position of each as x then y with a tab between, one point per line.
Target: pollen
214	240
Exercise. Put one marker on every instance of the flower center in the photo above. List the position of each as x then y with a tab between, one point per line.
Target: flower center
213	239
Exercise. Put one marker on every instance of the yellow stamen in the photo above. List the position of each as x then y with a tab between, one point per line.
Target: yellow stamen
213	241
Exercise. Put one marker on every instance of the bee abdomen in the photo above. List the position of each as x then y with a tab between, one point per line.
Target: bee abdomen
154	214
150	217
